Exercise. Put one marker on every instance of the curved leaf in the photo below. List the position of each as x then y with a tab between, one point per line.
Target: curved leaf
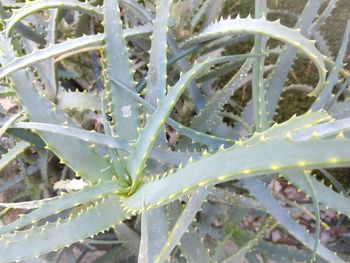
124	109
66	201
243	160
140	150
272	29
52	236
68	46
13	153
39	5
77	154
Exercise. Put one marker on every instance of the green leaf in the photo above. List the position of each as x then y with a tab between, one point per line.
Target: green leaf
208	119
194	135
124	109
326	196
258	86
326	94
66	201
77	154
12	153
182	224
52	236
39	5
69	46
154	226
257	189
193	248
142	147
101	139
132	239
157	67
242	251
286	59
274	30
78	100
241	161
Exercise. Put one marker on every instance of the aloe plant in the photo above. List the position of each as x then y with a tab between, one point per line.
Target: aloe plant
129	169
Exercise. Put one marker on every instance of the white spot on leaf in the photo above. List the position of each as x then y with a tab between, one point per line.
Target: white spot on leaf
126	110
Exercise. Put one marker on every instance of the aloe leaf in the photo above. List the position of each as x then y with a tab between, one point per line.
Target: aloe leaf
156	78
71	151
124	109
182	224
71	45
192	88
315	201
137	9
154	226
314	196
322	45
97	138
39	5
44	70
193	248
326	196
336	127
116	162
213	12
258	87
194	135
140	150
326	94
12	153
257	189
241	161
286	59
218	72
9	122
259	107
154	223
52	236
208	119
242	251
66	201
78	100
29	204
76	133
275	30
27	136
299	87
343	87
50	76
335	183
132	239
49	52
199	13
157	66
146	16
322	18
23	29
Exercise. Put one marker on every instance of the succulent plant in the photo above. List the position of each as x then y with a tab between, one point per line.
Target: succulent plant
129	169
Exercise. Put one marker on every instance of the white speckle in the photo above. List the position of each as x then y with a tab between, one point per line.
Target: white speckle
70	185
126	111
